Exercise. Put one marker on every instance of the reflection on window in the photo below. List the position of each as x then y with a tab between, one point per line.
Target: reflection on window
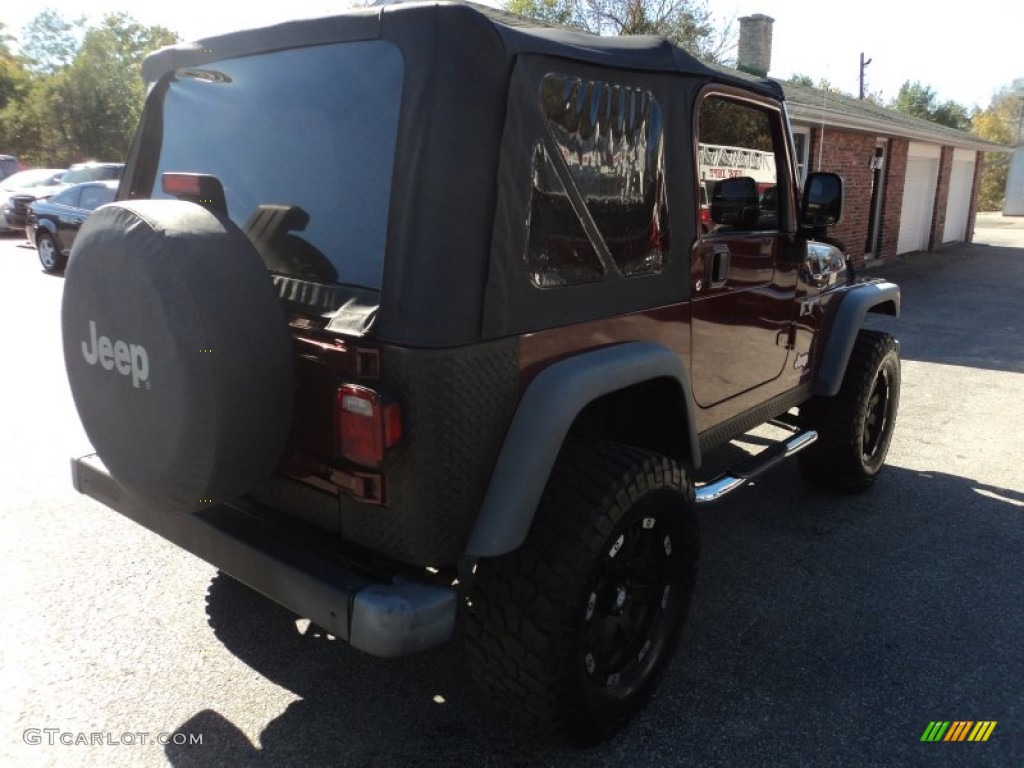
94	197
736	162
306	169
68	197
609	142
559	251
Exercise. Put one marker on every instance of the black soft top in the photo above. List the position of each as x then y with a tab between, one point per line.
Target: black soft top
455	236
509	36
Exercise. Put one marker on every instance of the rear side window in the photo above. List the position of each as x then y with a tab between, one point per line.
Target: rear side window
94	197
109	173
598	184
68	197
304	143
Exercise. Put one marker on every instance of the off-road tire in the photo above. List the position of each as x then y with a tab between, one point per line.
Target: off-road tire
574	630
50	257
855	427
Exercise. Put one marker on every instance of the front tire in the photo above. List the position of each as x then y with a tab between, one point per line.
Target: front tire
855	427
49	253
574	630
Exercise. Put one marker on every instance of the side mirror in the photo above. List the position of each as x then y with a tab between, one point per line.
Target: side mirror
734	203
822	204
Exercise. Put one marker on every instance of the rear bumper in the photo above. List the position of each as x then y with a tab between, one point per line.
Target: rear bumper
382	619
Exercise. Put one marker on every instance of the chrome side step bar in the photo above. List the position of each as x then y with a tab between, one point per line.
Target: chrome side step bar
746	472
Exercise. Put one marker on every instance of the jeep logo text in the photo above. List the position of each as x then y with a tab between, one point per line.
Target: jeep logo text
128	359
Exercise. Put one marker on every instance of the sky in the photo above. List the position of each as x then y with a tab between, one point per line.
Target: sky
966	55
965	52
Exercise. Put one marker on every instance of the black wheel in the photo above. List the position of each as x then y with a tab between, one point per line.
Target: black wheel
855	427
574	630
49	253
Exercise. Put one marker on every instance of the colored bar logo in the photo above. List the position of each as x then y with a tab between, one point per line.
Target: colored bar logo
959	730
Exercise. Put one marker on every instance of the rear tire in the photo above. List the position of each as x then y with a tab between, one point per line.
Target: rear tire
574	630
49	253
856	426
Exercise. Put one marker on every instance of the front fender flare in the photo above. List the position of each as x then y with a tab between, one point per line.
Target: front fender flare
881	297
545	413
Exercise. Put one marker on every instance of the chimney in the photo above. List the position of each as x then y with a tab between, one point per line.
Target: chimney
755	50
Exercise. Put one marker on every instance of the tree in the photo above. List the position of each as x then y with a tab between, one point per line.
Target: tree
15	85
83	100
50	42
806	81
686	22
558	12
11	71
921	101
1003	123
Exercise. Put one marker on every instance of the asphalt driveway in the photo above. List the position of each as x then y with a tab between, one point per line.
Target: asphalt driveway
827	630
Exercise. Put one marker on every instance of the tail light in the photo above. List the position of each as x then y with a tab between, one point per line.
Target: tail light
366	425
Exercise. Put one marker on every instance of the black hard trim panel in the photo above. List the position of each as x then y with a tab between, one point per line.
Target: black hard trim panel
545	414
382	619
880	296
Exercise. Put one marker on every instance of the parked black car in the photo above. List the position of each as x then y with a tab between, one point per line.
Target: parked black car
53	222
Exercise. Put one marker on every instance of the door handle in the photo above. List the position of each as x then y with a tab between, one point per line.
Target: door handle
719	265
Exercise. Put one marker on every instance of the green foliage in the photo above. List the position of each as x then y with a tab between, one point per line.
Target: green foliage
12	73
921	101
1002	122
50	42
686	22
551	11
15	89
806	81
70	98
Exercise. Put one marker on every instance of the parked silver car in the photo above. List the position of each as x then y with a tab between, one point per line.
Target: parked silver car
33	184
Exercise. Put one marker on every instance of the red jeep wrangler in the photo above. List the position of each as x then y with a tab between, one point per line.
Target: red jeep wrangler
410	311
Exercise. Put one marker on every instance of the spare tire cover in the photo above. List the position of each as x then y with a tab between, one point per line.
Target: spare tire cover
177	351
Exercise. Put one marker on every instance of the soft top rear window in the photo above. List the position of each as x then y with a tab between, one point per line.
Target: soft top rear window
303	142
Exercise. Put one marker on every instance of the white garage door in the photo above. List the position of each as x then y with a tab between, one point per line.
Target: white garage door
961	182
918	197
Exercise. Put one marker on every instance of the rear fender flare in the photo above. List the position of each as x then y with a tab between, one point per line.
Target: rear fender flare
880	297
545	413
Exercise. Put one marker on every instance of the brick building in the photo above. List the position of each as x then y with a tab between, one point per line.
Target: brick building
911	185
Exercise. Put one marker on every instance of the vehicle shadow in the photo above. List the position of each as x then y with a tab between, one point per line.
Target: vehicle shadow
824	626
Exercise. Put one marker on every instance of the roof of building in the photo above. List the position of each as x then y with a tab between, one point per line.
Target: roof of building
836	110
